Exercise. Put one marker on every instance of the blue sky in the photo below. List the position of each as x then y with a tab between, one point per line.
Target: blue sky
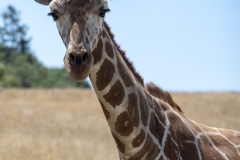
179	45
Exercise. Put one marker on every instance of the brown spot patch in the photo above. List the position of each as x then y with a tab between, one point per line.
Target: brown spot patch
229	134
150	146
196	127
179	130
124	74
156	128
144	108
159	112
109	49
105	111
178	125
115	95
139	139
183	136
124	125
171	150
133	108
165	106
105	74
150	100
97	52
208	151
161	158
120	145
223	145
153	151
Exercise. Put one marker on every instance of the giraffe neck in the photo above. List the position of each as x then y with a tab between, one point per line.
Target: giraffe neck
145	122
120	95
127	105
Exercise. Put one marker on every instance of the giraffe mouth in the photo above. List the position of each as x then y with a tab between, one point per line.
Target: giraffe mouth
78	65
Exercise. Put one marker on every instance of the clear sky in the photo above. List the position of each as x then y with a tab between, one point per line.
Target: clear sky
179	45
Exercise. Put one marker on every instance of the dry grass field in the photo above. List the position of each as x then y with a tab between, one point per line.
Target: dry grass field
68	124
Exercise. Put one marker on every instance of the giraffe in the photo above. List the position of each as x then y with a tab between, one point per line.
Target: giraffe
144	120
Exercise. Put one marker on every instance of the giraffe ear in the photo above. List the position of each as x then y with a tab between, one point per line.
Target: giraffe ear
44	2
47	2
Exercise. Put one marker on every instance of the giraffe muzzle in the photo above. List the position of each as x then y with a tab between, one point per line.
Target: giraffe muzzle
79	63
78	58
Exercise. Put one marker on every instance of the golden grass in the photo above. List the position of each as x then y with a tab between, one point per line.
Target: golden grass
220	110
68	124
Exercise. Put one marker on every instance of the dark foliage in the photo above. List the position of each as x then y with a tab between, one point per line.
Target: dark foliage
24	71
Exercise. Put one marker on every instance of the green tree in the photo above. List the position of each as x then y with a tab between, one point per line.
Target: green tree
12	33
19	68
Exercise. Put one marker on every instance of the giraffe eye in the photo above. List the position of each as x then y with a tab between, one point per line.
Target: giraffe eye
54	15
103	12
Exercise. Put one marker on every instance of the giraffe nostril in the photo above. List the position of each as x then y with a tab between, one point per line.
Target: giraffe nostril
85	56
71	57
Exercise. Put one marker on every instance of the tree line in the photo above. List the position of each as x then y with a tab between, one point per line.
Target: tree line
19	68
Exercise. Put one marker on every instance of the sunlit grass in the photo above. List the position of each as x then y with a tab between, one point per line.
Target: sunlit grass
68	124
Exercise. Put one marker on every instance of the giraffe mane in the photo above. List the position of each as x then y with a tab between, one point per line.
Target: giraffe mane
163	95
123	55
152	88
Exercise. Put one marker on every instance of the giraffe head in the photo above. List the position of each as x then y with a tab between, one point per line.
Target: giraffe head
80	24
